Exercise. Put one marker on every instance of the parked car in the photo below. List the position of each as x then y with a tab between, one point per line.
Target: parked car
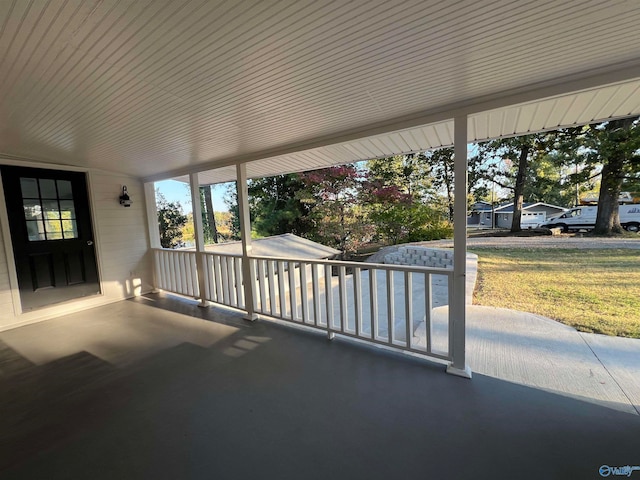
584	218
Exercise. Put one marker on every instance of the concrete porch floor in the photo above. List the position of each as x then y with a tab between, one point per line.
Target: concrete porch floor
158	388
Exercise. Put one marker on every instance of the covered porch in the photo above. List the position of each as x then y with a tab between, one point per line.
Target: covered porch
120	383
157	387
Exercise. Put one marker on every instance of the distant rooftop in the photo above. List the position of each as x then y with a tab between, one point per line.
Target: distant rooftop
508	207
286	245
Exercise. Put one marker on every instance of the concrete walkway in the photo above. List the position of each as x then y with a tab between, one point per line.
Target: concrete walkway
532	350
536	351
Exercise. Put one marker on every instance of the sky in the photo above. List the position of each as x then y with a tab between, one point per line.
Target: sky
175	191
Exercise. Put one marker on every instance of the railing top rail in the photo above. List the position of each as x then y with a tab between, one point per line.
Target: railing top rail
361	265
176	250
316	261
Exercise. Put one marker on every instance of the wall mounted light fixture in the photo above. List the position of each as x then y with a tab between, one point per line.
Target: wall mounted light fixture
124	198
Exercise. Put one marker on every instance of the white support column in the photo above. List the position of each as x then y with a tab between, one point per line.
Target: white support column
152	226
248	273
199	236
457	305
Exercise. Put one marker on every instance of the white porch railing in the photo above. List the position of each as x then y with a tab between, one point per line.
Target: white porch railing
382	304
390	305
176	271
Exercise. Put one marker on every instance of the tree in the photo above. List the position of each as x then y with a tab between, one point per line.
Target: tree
553	180
401	201
231	199
615	145
170	221
276	207
336	218
512	163
208	215
442	167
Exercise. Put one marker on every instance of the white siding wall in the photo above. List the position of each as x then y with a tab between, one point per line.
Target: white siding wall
6	301
122	248
121	236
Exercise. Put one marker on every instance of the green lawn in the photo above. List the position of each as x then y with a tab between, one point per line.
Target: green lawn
592	290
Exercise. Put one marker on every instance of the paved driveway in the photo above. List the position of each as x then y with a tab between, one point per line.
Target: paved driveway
568	241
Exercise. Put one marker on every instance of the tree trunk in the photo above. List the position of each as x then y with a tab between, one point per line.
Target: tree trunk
518	191
608	219
210	214
447	183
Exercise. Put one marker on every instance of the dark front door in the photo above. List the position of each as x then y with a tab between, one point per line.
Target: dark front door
51	234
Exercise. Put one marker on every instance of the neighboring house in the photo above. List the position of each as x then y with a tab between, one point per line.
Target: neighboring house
532	214
480	214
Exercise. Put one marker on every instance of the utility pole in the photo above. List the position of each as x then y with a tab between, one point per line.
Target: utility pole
577	187
493	206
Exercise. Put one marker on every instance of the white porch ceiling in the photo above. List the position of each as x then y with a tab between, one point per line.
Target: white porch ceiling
578	108
160	88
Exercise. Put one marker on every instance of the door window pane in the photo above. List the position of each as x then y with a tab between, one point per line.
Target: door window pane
35	230
52	201
64	189
29	187
32	209
70	230
67	210
50	209
53	228
47	188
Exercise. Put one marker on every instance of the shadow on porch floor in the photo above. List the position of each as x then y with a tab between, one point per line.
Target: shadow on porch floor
133	391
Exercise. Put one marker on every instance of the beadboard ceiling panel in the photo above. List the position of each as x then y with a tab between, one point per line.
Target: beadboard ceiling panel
160	88
579	108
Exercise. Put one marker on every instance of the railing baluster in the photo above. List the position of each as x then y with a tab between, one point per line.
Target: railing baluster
329	296
304	294
373	299
272	287
193	272
408	306
217	263
175	270
357	299
281	290
237	267
231	283
167	268
261	284
224	275
212	278
342	285
181	273
165	271
428	306
162	271
390	306
253	279
293	301
316	293
207	276
188	286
